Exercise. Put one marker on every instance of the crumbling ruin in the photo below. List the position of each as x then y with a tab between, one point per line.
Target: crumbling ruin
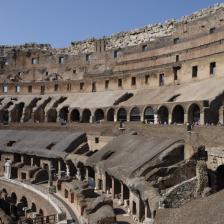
122	129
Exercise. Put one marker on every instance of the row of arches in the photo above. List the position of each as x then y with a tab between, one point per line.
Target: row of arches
14	207
150	115
162	115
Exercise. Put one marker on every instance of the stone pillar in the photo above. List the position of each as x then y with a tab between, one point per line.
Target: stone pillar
121	202
128	117
69	117
156	119
91	119
113	188
87	174
115	117
147	212
67	170
170	118
185	118
59	169
8	169
31	161
78	175
50	183
10	117
202	118
202	176
96	184
22	158
221	117
104	180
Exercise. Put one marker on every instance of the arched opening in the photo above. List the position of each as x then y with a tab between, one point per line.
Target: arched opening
178	115
149	114
17	113
24	202
41	213
5	116
75	116
72	168
135	114
86	116
99	115
33	207
163	115
63	114
72	197
66	193
52	115
13	198
122	115
110	114
194	114
39	115
220	178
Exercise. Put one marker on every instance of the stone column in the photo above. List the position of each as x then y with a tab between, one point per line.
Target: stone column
87	174
78	175
104	182
113	188
50	183
59	169
115	116
221	117
8	169
121	202
146	210
22	158
156	119
91	119
31	161
202	118
69	117
67	170
170	118
185	118
10	116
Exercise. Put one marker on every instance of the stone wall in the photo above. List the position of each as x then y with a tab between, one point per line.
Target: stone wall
179	194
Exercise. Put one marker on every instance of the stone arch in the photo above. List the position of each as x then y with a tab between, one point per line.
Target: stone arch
110	114
28	110
52	115
39	115
178	114
63	113
75	115
163	115
72	168
5	116
86	115
41	212
33	207
220	178
17	113
122	114
24	201
135	114
99	114
194	113
149	114
14	198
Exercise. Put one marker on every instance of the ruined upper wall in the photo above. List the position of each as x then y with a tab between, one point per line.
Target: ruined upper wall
139	36
134	37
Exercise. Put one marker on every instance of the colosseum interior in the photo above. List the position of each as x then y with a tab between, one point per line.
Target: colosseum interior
124	129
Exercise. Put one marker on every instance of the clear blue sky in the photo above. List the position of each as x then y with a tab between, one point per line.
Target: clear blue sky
59	22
